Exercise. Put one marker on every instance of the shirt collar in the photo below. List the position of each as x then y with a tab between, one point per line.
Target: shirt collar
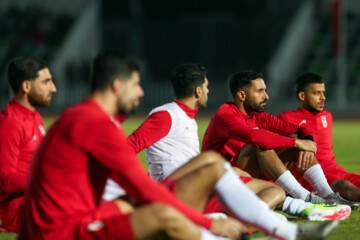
189	111
23	110
243	115
307	112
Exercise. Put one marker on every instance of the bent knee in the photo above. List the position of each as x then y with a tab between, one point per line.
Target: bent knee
164	213
211	156
241	172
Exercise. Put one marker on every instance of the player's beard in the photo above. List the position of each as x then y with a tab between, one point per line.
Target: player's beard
202	105
38	100
256	107
311	108
126	109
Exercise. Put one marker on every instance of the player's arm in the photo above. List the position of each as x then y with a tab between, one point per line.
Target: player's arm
154	128
232	127
11	180
307	154
283	127
110	149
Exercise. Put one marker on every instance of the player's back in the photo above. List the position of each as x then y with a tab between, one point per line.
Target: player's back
60	187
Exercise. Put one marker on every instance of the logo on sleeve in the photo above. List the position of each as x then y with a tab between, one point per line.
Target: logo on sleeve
324	122
95	226
42	130
302	122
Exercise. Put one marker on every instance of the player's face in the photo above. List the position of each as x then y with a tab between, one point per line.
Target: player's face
41	89
314	97
256	96
130	94
204	94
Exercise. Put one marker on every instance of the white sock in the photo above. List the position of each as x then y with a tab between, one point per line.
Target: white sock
246	206
287	231
315	176
288	182
206	235
294	206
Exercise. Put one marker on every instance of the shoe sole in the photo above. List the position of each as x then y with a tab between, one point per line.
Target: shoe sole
341	214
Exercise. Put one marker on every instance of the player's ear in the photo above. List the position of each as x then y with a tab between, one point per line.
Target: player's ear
301	96
116	85
198	91
241	95
25	86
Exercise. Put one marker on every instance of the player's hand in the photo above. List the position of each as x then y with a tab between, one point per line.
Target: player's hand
306	145
304	160
229	227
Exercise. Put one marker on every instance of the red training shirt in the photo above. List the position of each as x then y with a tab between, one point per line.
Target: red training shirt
230	129
321	125
68	174
21	131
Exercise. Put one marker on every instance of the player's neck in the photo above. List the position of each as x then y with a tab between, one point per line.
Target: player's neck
24	101
106	101
241	106
190	102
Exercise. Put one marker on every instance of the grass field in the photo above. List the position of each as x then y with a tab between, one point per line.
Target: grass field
346	142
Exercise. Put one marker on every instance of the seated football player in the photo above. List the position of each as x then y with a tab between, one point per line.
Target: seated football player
21	130
310	90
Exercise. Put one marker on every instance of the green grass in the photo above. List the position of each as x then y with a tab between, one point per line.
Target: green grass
346	139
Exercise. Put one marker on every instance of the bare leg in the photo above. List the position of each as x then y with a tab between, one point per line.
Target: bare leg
124	206
273	195
196	186
163	220
200	161
346	189
269	192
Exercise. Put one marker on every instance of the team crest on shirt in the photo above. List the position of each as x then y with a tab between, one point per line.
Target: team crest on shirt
302	122
42	130
324	122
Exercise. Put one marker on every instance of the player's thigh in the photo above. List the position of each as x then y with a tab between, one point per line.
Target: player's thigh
203	159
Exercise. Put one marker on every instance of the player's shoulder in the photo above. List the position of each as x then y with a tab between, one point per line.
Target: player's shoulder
10	124
164	107
288	114
227	107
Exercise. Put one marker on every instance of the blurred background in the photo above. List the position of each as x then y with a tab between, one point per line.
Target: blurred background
281	38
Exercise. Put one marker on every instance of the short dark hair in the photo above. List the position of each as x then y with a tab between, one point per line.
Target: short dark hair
23	68
305	80
107	67
186	77
243	79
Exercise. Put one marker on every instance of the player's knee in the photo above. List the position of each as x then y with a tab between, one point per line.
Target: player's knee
280	193
163	213
166	216
240	172
211	157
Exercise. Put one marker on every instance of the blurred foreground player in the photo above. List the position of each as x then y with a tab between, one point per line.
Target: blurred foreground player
310	90
82	148
21	130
